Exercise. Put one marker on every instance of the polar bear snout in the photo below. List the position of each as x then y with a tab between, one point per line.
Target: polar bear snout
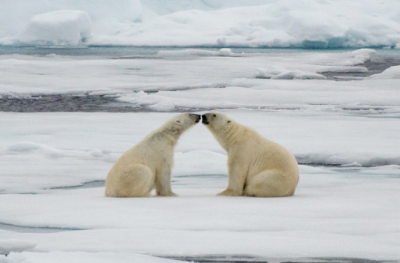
205	120
195	117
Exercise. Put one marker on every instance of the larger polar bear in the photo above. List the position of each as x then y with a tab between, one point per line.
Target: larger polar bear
148	164
256	165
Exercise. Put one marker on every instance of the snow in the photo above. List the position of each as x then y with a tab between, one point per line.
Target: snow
272	23
343	133
276	94
107	17
64	27
81	257
178	70
66	160
332	214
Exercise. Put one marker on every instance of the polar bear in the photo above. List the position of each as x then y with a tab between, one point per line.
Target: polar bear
256	166
148	164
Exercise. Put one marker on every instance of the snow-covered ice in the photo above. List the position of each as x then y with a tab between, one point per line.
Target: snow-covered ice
345	135
169	70
63	27
81	257
335	212
57	144
106	16
265	23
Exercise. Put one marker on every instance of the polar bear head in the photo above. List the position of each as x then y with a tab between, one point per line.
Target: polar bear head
216	122
181	123
221	126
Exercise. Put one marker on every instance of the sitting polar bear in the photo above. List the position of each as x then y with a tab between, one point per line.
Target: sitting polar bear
148	164
256	166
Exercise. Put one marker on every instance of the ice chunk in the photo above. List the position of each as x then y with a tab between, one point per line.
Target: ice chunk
282	73
224	52
390	73
7	246
107	17
62	27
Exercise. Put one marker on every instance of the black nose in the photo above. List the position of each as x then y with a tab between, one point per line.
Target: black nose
205	120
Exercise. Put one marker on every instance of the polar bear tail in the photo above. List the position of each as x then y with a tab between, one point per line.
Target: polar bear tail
134	181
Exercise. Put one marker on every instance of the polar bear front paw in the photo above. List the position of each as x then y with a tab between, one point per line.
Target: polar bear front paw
229	192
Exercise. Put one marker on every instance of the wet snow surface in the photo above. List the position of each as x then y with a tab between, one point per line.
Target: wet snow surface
65	120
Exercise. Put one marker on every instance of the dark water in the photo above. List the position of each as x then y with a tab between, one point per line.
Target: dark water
33	229
255	259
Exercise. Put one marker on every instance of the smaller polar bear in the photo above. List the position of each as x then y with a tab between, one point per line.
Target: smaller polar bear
148	164
256	166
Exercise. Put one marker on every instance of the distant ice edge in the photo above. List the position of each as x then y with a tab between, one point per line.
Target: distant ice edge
279	24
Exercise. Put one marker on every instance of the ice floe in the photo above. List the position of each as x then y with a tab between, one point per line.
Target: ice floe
226	52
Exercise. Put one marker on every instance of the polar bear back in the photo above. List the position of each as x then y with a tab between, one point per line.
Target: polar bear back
151	151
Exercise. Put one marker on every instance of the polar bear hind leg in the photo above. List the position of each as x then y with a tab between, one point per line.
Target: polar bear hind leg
134	181
270	183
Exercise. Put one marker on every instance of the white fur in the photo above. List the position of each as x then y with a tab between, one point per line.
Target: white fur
256	165
148	164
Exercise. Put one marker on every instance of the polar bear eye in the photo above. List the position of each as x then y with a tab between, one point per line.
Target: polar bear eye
229	121
178	121
215	115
